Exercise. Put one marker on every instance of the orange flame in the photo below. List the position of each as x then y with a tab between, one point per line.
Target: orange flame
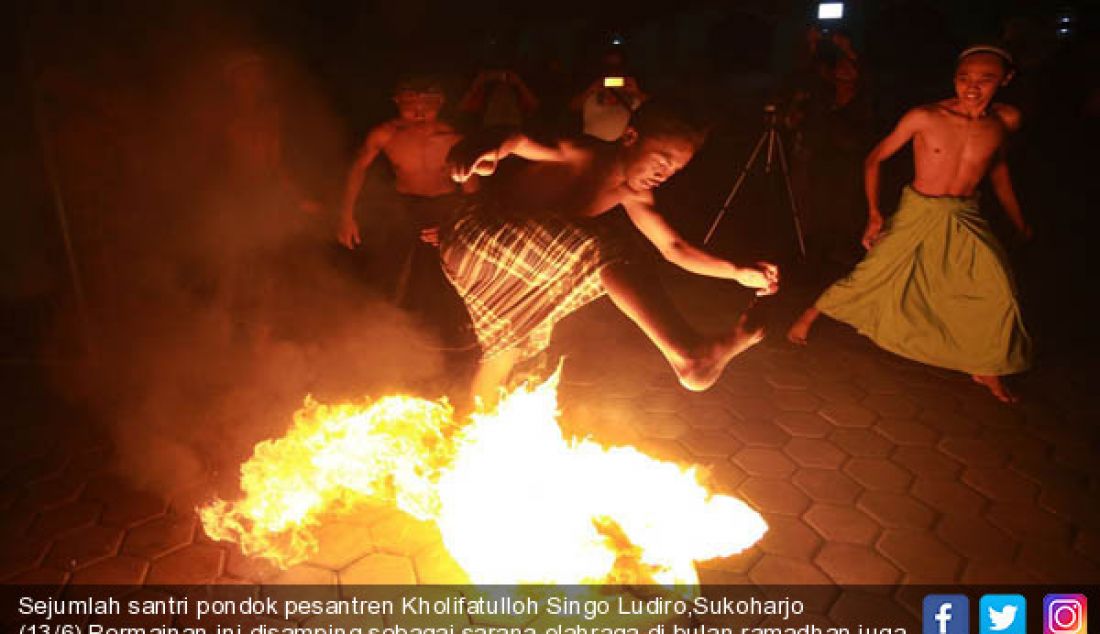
515	501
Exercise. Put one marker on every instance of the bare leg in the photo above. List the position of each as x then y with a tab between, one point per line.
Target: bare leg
801	328
697	361
492	375
997	388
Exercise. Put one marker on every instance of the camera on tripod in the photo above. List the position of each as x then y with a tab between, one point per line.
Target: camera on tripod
829	15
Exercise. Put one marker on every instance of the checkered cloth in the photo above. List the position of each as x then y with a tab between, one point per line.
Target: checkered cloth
520	276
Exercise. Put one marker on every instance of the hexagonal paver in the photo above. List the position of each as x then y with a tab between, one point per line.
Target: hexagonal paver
306	575
861	442
754	408
19	556
949	496
405	535
788	380
878	474
121	570
976	539
769	463
661	425
803	425
436	566
842	524
130	508
891	405
192	565
340	542
815	452
160	536
973	452
52	493
253	570
1057	562
796	401
774	496
895	510
379	569
63	519
904	431
951	424
759	434
1000	484
1028	522
827	485
778	570
996	573
848	415
709	416
926	462
790	537
855	564
84	546
711	444
838	392
920	555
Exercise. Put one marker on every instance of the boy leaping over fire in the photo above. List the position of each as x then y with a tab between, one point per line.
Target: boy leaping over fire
529	257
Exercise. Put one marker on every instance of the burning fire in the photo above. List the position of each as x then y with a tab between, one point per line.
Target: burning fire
514	500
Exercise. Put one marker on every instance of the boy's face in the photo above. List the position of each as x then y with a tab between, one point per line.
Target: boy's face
650	161
977	78
418	107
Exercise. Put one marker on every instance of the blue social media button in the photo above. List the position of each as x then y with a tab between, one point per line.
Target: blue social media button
946	614
1002	614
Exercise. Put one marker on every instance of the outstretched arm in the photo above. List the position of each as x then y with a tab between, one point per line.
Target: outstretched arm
1001	181
902	134
465	164
348	232
677	250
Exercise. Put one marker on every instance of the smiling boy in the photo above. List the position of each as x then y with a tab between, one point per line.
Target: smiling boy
935	284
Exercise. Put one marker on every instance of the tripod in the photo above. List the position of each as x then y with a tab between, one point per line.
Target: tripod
774	144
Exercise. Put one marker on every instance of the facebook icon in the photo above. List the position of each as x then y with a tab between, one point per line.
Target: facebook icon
946	614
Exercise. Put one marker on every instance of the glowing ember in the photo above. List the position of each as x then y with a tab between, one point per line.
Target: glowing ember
514	500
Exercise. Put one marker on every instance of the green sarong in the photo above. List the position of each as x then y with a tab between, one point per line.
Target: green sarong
936	288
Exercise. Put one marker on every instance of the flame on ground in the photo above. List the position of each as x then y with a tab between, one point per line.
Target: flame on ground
515	501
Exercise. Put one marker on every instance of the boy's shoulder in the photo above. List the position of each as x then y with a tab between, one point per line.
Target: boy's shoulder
1009	115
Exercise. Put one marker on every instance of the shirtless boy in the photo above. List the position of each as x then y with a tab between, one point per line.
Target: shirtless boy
416	144
935	285
532	256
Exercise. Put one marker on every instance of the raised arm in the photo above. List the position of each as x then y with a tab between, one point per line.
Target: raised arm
902	134
678	251
348	232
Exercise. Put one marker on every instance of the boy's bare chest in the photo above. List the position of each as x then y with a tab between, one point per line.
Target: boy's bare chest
418	150
949	138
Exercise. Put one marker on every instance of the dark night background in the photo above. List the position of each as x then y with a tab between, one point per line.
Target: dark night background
123	102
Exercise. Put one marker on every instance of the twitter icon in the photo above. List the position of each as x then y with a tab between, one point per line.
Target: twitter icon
1002	614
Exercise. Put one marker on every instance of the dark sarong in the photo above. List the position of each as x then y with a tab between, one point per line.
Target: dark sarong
520	276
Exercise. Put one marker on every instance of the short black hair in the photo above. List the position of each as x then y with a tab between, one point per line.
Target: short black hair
657	118
419	83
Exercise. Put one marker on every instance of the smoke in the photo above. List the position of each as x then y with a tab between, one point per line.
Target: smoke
200	165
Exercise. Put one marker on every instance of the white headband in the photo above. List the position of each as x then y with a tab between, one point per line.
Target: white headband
986	48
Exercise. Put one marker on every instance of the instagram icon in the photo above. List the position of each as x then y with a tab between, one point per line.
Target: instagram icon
1065	614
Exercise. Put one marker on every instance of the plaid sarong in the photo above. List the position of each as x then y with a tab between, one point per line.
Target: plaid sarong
520	276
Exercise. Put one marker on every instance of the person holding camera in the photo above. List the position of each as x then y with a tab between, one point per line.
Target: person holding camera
608	102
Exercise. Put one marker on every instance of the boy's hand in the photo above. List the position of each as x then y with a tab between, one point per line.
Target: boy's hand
348	233
764	278
873	231
483	165
430	235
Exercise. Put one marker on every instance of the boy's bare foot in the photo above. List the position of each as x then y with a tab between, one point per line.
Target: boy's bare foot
800	330
997	388
702	370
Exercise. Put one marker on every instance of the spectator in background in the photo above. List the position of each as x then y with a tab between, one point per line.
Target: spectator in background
498	96
608	102
832	117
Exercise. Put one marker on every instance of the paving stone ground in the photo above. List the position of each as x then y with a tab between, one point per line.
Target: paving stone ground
868	468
